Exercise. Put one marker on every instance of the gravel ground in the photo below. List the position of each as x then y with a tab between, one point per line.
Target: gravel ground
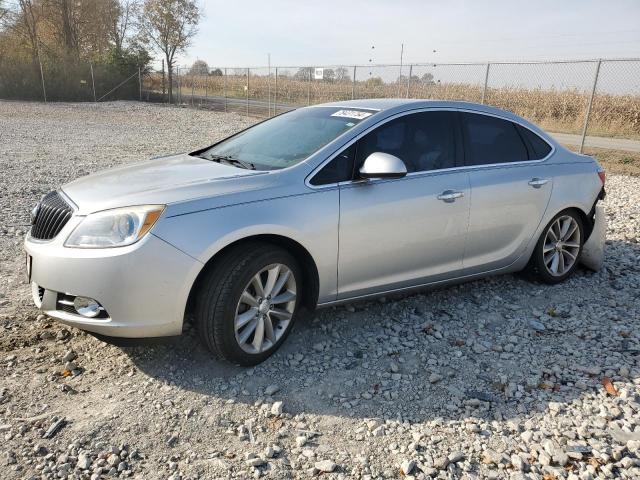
499	378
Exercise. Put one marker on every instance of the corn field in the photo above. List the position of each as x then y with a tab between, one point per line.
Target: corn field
554	95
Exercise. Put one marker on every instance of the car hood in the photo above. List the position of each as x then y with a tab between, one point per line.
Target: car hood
165	180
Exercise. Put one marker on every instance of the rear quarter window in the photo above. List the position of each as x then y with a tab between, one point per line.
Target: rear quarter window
538	148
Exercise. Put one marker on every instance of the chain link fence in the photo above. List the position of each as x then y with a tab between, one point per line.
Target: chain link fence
584	97
68	81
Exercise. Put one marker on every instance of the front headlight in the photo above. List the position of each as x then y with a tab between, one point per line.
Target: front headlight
114	228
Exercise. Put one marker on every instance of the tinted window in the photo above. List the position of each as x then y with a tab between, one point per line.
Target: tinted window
340	169
492	140
423	141
538	148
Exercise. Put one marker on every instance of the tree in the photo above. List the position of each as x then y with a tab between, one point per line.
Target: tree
169	25
199	67
216	72
427	78
304	74
329	75
342	75
120	17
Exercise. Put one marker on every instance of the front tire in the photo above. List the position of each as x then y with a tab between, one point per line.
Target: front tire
557	252
247	303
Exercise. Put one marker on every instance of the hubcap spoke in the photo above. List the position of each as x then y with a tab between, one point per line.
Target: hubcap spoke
268	329
572	244
284	276
548	247
246	317
258	338
249	329
554	262
256	281
565	228
279	313
285	297
572	229
272	276
249	299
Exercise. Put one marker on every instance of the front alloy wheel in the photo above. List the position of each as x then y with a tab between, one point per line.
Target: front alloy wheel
247	302
265	308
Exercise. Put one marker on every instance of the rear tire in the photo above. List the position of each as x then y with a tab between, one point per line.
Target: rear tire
239	314
558	250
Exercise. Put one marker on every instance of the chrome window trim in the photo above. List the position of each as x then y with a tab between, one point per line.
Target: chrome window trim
310	176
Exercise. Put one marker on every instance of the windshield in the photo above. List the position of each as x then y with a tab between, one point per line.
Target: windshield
286	139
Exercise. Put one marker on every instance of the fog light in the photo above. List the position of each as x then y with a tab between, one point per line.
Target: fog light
87	307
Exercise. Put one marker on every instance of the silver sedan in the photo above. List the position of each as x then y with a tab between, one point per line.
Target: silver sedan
318	206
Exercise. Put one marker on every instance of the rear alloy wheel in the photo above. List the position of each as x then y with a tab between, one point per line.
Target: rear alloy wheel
247	303
558	249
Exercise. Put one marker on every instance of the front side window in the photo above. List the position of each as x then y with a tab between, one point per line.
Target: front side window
287	139
492	140
423	141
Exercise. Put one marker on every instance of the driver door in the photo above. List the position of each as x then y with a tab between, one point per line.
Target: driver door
397	233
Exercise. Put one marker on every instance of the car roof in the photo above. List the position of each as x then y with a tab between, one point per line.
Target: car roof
382	104
398	105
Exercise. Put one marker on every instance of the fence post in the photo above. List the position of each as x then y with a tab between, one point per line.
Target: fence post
206	91
163	82
409	79
593	93
139	81
224	89
486	81
248	71
44	90
353	84
93	82
193	87
309	87
179	85
275	94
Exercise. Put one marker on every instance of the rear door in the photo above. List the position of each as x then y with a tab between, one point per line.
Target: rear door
510	189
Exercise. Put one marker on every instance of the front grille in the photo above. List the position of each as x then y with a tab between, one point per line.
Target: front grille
52	215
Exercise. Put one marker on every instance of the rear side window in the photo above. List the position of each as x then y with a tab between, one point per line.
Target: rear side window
538	148
492	140
423	141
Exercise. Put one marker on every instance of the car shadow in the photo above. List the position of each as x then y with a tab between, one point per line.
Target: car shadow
496	348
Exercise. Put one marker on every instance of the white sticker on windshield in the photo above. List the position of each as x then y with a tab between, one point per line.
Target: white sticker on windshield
357	114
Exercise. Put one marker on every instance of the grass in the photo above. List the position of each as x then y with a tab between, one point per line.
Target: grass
617	161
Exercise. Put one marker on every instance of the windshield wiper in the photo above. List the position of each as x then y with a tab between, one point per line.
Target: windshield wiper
228	159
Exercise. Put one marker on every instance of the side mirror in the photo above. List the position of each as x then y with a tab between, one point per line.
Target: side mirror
382	165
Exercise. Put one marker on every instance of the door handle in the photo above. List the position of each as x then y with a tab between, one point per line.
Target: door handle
538	182
449	196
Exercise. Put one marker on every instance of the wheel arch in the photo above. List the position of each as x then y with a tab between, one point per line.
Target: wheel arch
310	275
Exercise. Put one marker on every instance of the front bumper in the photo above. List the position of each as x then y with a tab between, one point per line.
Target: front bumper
143	288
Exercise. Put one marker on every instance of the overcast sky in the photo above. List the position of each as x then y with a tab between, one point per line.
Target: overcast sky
324	32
